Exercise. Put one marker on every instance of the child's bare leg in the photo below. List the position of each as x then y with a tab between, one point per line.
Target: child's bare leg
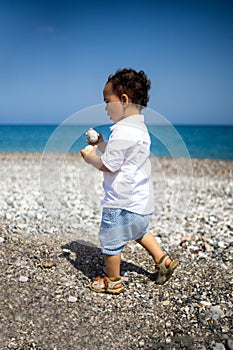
112	264
151	245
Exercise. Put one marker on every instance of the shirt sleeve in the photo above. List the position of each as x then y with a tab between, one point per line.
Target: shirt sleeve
116	151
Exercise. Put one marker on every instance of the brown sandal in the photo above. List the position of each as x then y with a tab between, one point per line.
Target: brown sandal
163	272
105	285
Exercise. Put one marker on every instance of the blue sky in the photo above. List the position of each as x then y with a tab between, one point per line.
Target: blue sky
57	54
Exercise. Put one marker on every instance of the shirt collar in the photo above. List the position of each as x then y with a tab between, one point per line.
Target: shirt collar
133	119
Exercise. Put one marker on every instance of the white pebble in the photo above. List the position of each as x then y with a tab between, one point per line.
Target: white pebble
23	278
22	226
2	239
141	343
8	216
216	310
39	216
221	244
205	303
72	299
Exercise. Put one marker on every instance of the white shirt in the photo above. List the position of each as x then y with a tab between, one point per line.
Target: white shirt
127	152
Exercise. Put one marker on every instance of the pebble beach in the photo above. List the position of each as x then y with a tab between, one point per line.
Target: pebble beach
49	217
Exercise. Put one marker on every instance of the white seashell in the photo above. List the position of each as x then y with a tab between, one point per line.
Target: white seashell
92	135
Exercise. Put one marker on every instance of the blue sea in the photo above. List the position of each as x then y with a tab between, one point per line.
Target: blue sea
208	142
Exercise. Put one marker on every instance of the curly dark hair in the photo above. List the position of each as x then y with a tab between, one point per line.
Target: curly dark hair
134	84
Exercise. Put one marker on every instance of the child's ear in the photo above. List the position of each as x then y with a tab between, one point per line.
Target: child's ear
124	98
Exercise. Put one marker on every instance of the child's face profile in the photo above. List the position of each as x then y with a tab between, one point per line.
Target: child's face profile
114	106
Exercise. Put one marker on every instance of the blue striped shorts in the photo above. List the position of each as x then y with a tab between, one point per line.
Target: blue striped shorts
118	227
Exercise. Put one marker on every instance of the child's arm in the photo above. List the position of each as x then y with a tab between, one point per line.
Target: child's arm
91	158
102	146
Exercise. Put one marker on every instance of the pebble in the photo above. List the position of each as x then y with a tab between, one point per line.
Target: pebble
229	344
205	303
224	266
72	299
217	310
23	279
222	244
217	346
141	343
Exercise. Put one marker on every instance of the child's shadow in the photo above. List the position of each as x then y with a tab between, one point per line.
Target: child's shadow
89	259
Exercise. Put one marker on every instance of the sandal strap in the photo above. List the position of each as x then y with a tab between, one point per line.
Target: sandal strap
112	284
98	283
161	265
105	284
164	272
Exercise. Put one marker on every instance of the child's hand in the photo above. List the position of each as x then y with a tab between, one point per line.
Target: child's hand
88	153
90	156
100	140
